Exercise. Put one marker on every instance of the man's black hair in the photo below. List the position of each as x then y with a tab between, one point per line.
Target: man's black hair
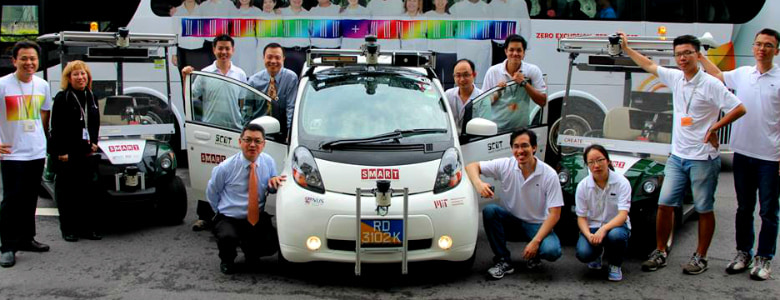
223	38
770	32
687	39
512	38
253	127
521	131
273	45
471	64
26	45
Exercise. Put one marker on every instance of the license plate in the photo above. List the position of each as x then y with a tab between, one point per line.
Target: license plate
381	233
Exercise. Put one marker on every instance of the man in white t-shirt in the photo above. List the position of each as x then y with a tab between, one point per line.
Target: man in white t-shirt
386	8
24	121
217	8
531	202
698	99
464	90
755	140
514	68
216	112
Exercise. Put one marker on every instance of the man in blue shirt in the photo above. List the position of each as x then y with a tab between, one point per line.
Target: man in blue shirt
236	192
277	82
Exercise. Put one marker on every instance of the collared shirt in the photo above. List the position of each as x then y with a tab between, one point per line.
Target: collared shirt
252	11
220	99
467	9
508	9
181	11
457	105
286	88
391	8
601	206
287	11
498	73
228	188
707	97
357	11
757	134
20	117
528	199
218	8
330	11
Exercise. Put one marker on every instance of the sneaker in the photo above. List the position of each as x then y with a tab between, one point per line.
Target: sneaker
615	273
595	265
696	265
655	261
500	269
7	259
762	268
533	264
740	263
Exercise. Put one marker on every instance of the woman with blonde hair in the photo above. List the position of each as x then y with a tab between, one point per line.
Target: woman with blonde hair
75	123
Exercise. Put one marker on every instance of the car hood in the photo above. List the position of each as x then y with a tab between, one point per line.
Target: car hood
346	178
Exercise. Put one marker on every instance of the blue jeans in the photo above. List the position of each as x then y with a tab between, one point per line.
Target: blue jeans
614	246
751	174
702	175
501	226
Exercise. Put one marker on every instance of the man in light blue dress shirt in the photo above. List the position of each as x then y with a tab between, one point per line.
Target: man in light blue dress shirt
286	82
228	194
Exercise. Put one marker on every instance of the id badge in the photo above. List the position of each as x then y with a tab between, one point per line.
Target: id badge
29	125
686	121
85	134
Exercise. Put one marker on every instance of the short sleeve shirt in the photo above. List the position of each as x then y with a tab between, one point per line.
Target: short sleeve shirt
757	134
528	199
702	99
457	105
497	73
20	117
386	8
601	206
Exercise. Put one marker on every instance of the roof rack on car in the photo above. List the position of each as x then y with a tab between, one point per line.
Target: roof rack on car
610	45
370	54
79	38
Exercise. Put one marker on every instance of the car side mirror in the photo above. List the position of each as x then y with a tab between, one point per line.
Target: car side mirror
270	124
480	126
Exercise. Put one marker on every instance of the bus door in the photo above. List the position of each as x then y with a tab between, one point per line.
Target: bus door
217	108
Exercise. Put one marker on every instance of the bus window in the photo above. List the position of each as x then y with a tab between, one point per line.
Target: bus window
669	10
729	12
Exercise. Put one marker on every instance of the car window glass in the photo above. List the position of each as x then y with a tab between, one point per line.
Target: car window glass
510	108
218	102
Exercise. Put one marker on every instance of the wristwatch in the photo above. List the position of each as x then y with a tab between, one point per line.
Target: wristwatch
523	83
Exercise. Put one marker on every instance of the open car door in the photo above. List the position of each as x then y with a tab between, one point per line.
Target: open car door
217	108
511	108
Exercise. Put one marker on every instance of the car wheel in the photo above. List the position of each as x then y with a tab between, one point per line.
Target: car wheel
464	267
171	202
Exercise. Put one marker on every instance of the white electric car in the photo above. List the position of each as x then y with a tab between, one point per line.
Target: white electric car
373	156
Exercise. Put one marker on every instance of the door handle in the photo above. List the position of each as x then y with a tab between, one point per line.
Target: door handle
202	135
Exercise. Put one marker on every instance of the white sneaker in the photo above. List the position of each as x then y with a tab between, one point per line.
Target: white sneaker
740	263
762	268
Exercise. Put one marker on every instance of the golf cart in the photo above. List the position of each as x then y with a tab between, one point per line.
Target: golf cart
137	164
636	130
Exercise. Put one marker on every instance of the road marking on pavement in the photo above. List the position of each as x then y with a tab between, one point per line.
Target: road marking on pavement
47	212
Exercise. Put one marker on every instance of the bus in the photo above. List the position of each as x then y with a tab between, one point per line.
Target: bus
476	34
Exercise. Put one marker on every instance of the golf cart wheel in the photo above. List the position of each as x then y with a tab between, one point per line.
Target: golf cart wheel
171	202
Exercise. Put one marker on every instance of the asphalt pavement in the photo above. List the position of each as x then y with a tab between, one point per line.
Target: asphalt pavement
138	259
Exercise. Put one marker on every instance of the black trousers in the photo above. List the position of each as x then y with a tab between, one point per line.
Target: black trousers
75	191
204	211
21	182
255	241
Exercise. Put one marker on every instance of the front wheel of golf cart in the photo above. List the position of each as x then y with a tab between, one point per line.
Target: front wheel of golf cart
171	202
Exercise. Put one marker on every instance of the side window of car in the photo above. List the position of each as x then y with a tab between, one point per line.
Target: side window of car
510	108
224	103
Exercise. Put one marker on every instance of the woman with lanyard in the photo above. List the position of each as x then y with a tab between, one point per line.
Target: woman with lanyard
603	200
75	123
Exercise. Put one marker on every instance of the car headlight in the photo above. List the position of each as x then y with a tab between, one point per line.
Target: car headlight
305	171
649	186
563	177
166	162
450	172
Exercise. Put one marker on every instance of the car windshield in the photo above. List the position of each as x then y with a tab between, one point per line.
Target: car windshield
638	120
357	105
135	115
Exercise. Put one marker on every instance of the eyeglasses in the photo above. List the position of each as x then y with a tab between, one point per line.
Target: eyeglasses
463	75
523	146
253	141
760	45
684	53
597	161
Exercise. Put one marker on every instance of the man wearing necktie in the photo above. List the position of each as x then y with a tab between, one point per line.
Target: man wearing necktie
277	82
236	192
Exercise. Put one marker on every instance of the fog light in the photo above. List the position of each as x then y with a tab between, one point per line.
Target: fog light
445	242
313	243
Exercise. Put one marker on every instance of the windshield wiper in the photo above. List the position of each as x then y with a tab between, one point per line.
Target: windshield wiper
392	135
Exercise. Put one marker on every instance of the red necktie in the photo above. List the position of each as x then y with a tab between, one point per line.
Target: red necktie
253	211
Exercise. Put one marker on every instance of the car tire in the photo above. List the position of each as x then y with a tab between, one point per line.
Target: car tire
464	267
171	202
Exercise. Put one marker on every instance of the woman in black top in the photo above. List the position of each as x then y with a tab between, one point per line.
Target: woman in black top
75	123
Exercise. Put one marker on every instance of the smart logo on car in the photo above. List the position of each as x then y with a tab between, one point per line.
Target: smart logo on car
379	173
122	148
